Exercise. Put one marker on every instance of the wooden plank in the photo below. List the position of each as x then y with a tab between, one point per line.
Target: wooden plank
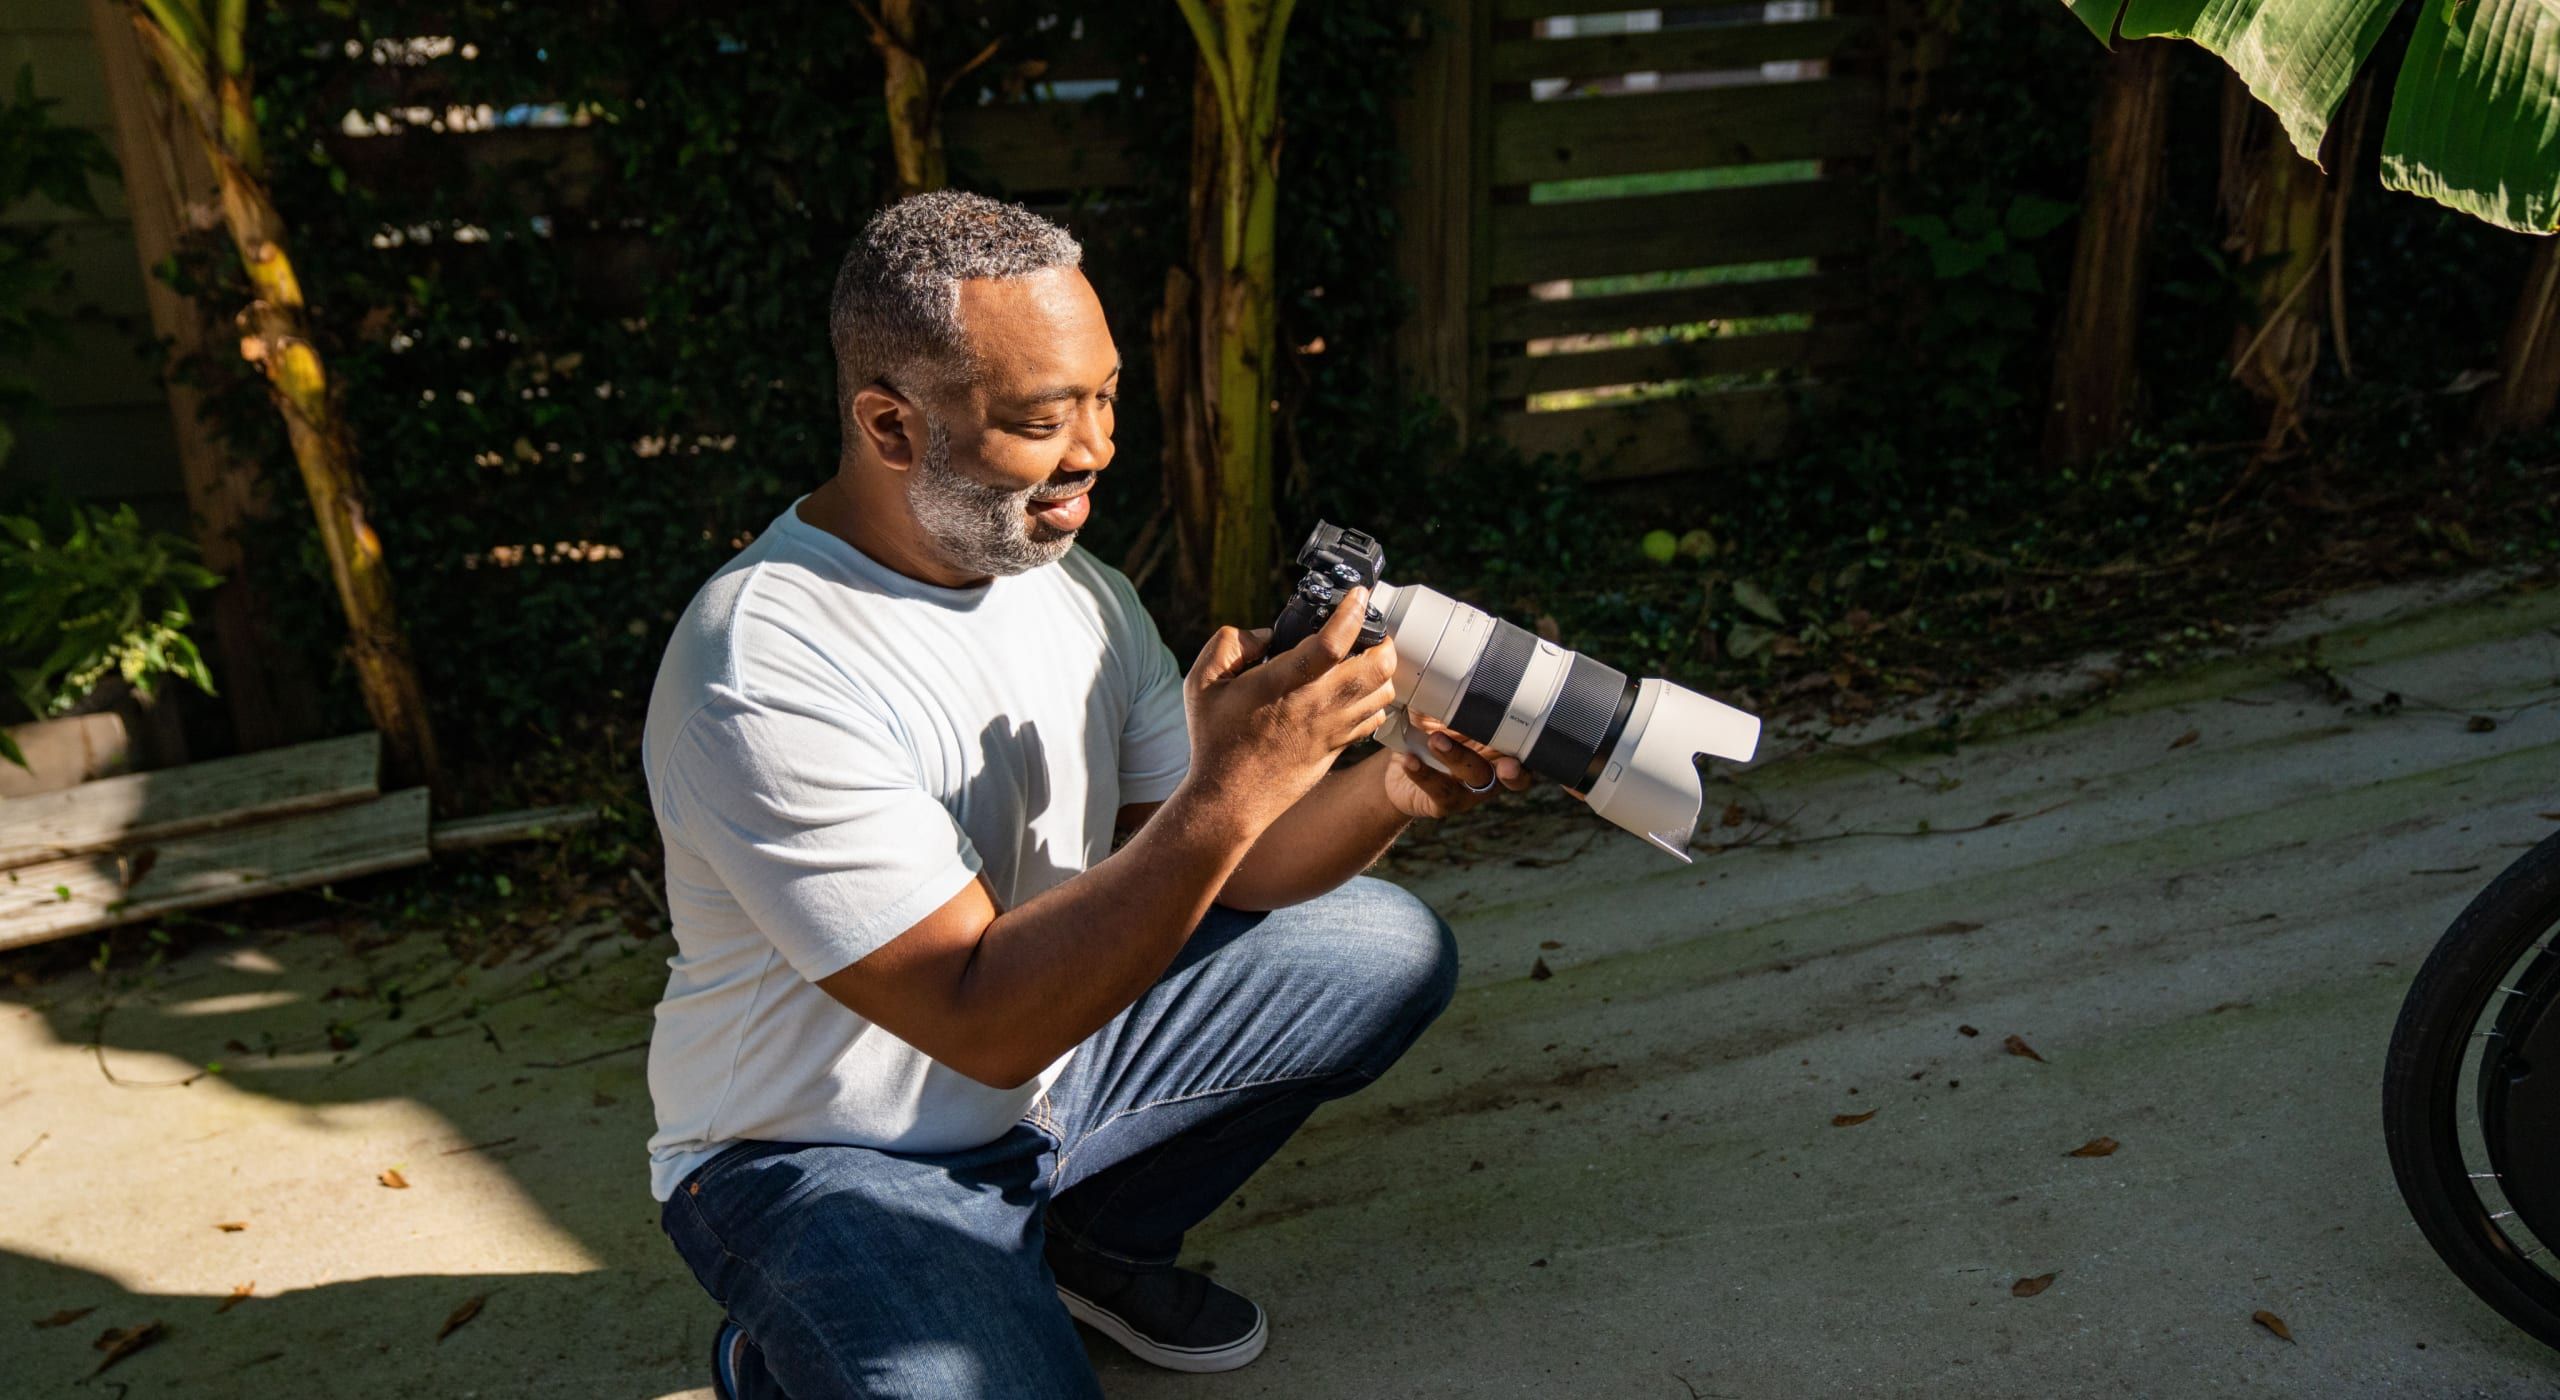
1654	233
1020	146
1523	11
171	802
1660	437
66	66
64	752
1745	124
1716	48
532	824
1522	375
1435	208
1534	318
212	868
36	16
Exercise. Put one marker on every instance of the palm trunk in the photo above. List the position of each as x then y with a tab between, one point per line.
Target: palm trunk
1232	259
2093	364
207	72
915	133
2528	382
2286	213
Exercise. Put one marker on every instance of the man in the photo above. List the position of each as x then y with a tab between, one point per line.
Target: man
938	1067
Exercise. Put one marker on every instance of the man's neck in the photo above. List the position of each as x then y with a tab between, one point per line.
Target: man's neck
877	522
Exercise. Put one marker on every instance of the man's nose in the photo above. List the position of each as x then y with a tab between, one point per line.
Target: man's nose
1089	447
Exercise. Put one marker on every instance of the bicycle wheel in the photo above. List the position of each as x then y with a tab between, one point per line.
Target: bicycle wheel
2474	1130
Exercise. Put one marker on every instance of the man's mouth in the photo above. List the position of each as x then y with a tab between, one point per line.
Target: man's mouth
1064	508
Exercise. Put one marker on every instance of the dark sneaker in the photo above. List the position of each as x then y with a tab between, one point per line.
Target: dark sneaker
1174	1318
728	1358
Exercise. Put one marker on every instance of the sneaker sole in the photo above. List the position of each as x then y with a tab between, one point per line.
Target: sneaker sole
1196	1360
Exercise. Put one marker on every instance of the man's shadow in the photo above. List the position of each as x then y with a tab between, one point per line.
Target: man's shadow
530	1067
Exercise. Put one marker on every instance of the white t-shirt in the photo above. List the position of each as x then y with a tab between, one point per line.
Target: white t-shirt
834	750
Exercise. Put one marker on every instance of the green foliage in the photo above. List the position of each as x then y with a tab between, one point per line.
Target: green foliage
39	159
97	596
633	363
1989	298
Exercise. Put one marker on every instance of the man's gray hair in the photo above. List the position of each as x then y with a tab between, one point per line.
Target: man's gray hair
896	314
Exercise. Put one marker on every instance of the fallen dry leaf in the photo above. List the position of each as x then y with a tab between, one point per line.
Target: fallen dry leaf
394	1180
470	1309
2272	1323
1539	971
66	1317
239	1294
2480	724
1549	944
1967	1031
121	1342
2094	1147
1851	1120
2030	1287
1733	814
231	1227
2017	1045
2187	738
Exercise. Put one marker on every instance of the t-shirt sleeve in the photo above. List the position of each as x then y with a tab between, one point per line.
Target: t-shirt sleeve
1155	741
817	823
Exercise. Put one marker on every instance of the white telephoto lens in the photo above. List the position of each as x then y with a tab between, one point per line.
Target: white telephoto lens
1630	747
1650	783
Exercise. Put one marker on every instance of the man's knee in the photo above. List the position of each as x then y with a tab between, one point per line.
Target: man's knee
1398	946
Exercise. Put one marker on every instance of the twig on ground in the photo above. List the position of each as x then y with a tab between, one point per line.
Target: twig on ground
586	1059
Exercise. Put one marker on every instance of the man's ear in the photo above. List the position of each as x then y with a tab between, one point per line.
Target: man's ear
891	423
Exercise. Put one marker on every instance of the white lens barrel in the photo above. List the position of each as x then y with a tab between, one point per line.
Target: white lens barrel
1630	748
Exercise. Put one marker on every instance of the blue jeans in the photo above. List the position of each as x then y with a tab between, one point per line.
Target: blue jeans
862	1272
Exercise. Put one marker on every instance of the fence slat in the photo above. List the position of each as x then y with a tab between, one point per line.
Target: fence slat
1724	46
1722	301
1039	146
1746	124
1653	233
1661	436
1522	375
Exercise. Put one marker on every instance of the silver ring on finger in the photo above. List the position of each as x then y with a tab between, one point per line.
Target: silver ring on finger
1489	784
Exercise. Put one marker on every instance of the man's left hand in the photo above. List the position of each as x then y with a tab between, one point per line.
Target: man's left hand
1476	774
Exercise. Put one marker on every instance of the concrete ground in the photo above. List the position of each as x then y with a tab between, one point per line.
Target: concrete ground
1634	1173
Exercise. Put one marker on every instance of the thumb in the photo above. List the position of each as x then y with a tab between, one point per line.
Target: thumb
1228	652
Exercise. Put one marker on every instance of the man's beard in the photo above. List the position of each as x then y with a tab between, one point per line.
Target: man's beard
980	529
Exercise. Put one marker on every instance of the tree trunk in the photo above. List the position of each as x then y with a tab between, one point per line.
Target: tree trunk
2284	217
1186	367
2528	382
212	86
915	128
1232	260
2093	364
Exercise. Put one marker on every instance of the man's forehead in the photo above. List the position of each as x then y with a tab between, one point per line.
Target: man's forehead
1042	330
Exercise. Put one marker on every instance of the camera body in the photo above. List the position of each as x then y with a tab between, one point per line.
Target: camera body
1629	746
1336	561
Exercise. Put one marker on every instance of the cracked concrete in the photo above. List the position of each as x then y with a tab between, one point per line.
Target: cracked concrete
1620	1179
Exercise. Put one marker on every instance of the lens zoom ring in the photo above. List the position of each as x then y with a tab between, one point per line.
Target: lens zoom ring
1491	685
1578	722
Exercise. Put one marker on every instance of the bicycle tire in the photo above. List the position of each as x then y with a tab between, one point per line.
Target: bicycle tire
2423	1085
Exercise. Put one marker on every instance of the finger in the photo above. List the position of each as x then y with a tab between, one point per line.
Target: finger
1365	728
1333	641
1513	774
1226	653
1469	767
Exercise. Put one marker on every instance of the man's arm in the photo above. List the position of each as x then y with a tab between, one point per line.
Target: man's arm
1356	813
999	994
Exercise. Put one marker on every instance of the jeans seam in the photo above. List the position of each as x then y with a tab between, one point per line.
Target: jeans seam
1066	1150
764	1279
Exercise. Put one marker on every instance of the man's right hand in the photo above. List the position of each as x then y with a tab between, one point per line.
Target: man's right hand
1263	735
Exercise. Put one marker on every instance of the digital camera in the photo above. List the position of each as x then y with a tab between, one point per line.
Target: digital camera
1629	746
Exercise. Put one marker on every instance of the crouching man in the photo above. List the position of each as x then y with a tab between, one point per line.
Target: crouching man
940	1065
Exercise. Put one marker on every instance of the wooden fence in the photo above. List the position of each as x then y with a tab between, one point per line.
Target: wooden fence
1637	233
